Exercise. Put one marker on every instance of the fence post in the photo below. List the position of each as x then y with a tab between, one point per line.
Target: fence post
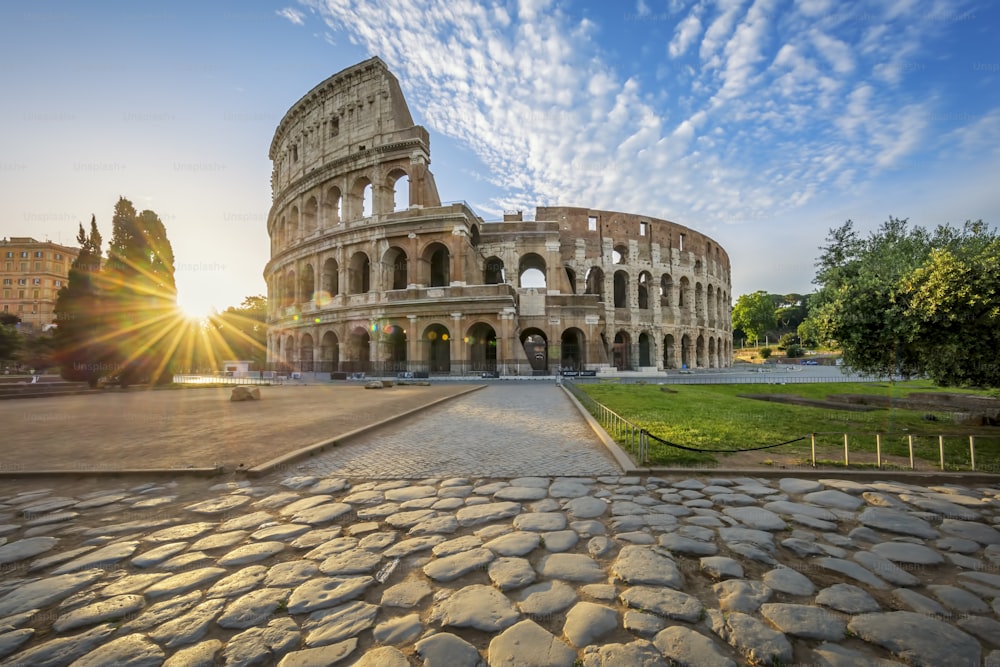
972	451
941	449
910	438
812	437
878	451
847	459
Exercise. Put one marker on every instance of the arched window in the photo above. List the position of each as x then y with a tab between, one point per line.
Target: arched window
359	274
493	271
332	207
438	262
666	289
645	280
394	267
531	270
309	217
307	284
621	289
331	277
595	282
400	184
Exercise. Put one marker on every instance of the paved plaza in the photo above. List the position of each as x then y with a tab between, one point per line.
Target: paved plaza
504	535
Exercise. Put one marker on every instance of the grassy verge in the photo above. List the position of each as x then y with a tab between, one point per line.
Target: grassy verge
716	417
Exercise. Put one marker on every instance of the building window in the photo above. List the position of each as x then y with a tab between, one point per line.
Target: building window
9	266
334	127
295	152
643	228
58	257
6	308
592	223
34	294
38	266
39	254
24	253
22	281
10	253
58	283
24	266
6	294
36	281
6	281
680	243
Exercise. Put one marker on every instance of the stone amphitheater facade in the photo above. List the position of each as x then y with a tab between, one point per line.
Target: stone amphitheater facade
370	271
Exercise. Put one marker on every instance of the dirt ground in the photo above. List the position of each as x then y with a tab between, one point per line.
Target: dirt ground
141	429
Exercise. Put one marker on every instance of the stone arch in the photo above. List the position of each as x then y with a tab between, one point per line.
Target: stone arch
394	268
536	347
359	274
573	354
684	294
331	278
289	296
571	279
293	226
437	259
595	282
288	358
329	352
700	351
668	351
358	351
360	203
622	351
474	236
699	304
394	348
309	217
282	234
711	306
438	341
621	289
686	351
307	283
645	283
711	352
398	182
493	271
332	203
306	353
533	265
645	350
666	290
481	339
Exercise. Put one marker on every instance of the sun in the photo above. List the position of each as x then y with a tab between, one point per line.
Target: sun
195	310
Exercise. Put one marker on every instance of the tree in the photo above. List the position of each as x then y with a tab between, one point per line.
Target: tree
10	341
754	314
78	348
140	295
907	301
242	330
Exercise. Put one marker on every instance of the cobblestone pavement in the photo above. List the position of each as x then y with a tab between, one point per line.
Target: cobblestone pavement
598	570
504	430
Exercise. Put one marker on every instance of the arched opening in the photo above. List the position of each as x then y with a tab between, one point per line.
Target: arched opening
474	236
359	274
645	280
700	352
482	343
531	271
536	347
621	289
711	353
309	217
644	350
666	289
329	352
394	268
288	360
332	207
438	342
282	234
358	351
367	201
711	306
595	282
697	266
307	284
493	272
622	351
619	255
571	279
699	304
331	282
683	298
394	348
289	289
668	351
293	225
573	354
438	261
686	351
400	184
360	204
306	354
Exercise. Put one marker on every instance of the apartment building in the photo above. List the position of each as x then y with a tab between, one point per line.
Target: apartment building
32	273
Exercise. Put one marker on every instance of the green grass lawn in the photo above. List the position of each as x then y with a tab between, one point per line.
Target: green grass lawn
715	417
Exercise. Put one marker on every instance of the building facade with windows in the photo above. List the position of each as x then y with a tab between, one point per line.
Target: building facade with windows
32	273
370	271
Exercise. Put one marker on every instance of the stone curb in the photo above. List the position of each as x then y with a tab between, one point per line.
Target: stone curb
126	472
269	466
623	460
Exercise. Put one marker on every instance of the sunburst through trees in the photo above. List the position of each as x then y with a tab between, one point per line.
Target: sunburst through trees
118	318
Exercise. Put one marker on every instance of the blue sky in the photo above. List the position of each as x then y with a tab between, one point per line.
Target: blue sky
762	123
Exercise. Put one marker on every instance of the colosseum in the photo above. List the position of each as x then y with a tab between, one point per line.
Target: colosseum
371	272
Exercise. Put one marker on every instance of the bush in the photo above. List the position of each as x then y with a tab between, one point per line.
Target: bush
765	352
794	351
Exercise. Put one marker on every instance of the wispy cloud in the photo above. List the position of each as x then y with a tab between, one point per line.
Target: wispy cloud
293	15
767	105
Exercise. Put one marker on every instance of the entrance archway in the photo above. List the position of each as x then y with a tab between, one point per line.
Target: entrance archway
536	347
622	351
668	351
330	352
358	351
394	348
482	342
573	354
438	341
644	350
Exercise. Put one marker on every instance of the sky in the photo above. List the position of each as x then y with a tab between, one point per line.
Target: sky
762	123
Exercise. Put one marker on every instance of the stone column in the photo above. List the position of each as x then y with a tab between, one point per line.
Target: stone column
413	342
456	344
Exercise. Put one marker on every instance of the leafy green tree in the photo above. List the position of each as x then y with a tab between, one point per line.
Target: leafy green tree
140	296
242	330
907	301
10	341
78	347
754	314
765	352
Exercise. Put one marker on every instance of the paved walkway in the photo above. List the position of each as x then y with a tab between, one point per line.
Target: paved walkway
504	430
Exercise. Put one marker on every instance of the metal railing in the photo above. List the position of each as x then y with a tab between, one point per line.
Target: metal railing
631	435
190	378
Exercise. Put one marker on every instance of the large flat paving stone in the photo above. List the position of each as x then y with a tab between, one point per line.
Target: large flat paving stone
527	644
918	639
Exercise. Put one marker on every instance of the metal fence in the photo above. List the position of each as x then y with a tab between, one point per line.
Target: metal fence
266	379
